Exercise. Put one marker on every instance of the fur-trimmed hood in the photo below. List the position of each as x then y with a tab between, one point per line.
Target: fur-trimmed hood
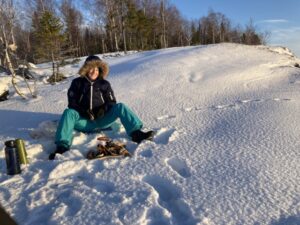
87	66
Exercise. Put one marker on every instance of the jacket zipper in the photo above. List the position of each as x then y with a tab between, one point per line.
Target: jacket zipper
91	96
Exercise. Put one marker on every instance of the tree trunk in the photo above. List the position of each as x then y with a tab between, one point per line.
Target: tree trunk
124	39
103	44
123	27
130	41
162	13
115	35
13	80
53	67
9	64
109	25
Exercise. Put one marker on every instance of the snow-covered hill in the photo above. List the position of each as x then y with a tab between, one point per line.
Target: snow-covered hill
226	149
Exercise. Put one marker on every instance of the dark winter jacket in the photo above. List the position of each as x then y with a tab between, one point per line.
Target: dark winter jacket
92	99
88	97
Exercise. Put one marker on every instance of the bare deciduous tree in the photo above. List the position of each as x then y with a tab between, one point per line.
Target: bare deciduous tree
7	39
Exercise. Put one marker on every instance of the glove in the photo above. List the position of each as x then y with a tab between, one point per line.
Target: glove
100	113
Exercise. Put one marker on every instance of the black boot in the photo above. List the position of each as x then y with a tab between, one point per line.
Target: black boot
138	136
59	150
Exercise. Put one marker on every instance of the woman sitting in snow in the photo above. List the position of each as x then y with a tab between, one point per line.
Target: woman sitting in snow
92	105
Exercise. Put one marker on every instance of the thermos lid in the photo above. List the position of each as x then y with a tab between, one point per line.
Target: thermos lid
10	143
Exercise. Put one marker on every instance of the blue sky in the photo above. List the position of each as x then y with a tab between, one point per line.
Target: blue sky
280	17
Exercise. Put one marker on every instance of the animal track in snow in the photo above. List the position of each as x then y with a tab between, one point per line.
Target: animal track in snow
238	103
283	99
164	117
222	106
246	101
179	167
169	197
188	109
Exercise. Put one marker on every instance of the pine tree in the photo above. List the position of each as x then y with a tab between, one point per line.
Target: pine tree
48	37
195	34
49	42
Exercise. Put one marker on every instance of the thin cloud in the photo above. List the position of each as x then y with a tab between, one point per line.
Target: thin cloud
273	21
294	31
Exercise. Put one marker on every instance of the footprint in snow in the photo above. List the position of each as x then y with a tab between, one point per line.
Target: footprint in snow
157	215
169	197
165	135
179	167
103	186
195	77
65	169
70	200
38	215
146	153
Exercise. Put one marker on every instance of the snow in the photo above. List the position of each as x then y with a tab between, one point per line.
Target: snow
4	82
226	149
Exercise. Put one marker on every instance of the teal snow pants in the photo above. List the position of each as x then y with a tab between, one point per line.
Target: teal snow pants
71	120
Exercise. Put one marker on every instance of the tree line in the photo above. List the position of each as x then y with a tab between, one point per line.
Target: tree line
43	30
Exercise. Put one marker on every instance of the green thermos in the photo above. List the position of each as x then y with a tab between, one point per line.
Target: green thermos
21	151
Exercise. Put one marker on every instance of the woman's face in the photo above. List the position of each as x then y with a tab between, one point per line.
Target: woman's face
93	73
